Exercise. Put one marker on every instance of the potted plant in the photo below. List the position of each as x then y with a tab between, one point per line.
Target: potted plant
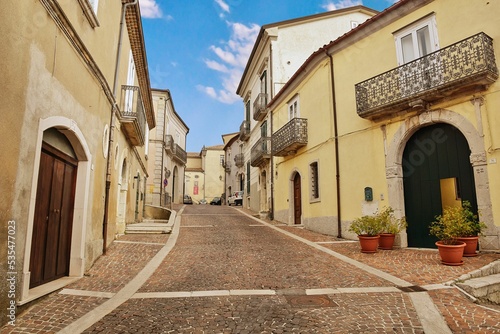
455	222
475	228
390	226
368	229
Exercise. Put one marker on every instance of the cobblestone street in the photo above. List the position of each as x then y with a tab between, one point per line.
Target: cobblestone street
224	271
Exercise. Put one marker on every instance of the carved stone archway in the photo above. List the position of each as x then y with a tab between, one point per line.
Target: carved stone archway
394	171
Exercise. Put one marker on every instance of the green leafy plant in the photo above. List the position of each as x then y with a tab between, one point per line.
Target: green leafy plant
389	223
456	222
366	225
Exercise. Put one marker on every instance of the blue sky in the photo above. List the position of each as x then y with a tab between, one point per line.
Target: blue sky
198	50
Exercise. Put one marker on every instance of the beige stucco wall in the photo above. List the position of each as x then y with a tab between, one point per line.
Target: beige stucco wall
49	85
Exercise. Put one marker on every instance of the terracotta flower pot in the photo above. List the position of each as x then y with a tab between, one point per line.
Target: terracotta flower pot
369	244
471	245
451	255
386	240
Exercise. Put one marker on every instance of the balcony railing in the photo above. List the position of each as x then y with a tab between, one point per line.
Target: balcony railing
245	130
239	160
461	68
290	137
132	117
169	144
227	167
260	152
259	107
179	154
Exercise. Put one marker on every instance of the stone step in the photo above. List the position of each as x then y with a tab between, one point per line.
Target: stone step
150	226
486	288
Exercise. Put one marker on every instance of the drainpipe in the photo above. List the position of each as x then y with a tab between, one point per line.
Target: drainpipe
114	108
336	141
271	209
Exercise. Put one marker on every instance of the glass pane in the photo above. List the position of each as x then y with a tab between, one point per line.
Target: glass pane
424	41
407	48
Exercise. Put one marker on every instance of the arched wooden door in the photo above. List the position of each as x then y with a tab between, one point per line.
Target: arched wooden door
436	173
297	199
53	222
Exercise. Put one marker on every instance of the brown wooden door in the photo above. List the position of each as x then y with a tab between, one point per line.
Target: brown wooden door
52	226
297	199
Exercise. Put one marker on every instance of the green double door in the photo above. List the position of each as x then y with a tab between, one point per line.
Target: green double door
436	173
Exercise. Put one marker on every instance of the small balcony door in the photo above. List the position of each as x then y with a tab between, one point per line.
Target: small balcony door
414	42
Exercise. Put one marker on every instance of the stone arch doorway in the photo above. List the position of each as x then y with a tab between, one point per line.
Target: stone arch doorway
477	158
121	211
436	173
68	150
296	187
53	220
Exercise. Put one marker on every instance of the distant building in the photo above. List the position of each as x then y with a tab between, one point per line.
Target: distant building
205	173
167	156
279	51
232	151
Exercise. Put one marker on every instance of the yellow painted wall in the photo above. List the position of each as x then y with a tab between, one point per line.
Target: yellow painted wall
376	54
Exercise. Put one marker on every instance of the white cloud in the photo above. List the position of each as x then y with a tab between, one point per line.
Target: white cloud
150	9
333	5
224	6
231	59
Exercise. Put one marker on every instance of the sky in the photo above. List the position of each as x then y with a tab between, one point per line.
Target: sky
198	49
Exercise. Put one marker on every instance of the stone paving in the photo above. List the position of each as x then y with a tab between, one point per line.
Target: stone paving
229	273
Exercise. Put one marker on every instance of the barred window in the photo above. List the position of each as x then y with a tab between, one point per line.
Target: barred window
314	176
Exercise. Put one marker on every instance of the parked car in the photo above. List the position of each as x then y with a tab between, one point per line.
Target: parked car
202	201
188	199
216	201
236	198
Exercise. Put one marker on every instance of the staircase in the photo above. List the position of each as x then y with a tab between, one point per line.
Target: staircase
483	284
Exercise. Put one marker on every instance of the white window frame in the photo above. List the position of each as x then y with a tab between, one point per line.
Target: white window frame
94	4
429	21
293	108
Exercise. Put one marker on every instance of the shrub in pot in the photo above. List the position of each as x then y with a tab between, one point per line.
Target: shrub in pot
471	235
390	226
368	229
455	222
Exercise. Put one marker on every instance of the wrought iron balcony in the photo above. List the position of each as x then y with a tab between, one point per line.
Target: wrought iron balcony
245	130
260	152
132	117
239	160
462	68
259	107
179	154
291	137
169	144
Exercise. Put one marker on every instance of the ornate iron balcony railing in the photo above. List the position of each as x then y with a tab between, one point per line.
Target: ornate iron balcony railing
239	160
259	107
132	115
179	154
464	67
290	137
245	130
169	144
260	152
